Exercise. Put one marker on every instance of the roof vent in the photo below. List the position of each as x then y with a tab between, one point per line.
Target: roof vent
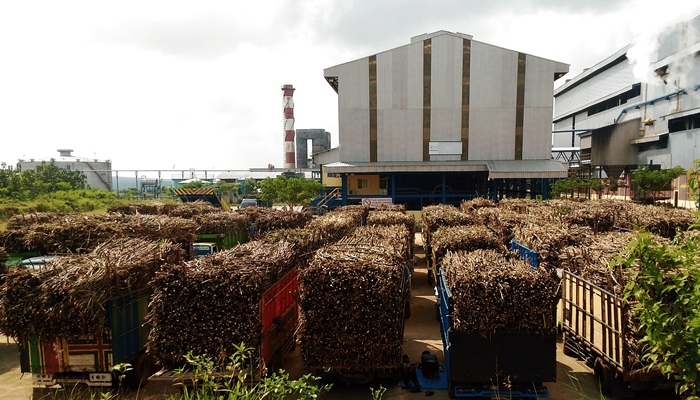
65	152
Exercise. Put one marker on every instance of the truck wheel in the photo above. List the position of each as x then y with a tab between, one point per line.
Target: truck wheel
603	376
140	372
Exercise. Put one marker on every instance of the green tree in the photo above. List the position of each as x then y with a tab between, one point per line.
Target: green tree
44	179
566	186
291	191
650	182
250	186
195	185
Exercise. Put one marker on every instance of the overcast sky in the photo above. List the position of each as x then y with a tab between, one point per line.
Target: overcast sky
180	85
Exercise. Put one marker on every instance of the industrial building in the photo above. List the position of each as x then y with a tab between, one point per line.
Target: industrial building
639	106
443	119
97	172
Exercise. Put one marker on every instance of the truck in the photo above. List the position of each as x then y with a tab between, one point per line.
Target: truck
210	243
279	317
594	328
89	360
210	195
506	363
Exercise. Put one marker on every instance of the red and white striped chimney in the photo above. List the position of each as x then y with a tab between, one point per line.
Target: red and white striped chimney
288	104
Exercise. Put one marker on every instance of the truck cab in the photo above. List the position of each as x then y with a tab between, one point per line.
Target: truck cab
202	249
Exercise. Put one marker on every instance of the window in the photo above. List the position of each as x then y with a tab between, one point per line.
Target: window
616	101
362	183
684	123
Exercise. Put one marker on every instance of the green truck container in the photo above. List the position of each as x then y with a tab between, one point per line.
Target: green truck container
89	360
209	243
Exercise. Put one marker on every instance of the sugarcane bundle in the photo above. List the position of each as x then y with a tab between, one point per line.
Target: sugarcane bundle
391	207
334	225
305	241
548	240
477	202
521	206
492	291
222	222
26	220
387	218
592	262
463	237
189	210
433	217
264	219
13	240
135	208
3	255
397	237
352	307
83	233
662	221
210	304
68	296
600	216
501	222
357	212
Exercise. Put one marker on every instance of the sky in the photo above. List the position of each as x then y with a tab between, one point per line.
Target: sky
161	85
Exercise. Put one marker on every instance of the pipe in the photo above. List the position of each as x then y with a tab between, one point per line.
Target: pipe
650	102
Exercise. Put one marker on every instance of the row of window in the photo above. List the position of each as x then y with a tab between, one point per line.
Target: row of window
684	123
616	101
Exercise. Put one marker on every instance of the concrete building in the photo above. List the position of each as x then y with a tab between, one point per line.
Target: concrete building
97	172
639	106
442	119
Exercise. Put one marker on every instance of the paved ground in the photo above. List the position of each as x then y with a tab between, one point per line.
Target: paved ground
574	378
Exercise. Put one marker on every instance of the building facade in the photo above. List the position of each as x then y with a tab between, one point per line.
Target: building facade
636	109
443	119
97	172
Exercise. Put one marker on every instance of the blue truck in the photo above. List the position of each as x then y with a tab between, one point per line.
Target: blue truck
506	363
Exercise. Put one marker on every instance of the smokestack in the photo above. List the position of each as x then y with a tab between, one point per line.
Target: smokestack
288	104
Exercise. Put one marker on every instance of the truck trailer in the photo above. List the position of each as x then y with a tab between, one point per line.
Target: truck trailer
89	360
279	318
506	363
594	325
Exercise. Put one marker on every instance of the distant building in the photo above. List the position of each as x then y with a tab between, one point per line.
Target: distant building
620	118
97	172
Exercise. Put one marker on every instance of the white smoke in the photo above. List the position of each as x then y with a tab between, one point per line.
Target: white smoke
669	37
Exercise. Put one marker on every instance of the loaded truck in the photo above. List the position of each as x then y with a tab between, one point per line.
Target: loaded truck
89	360
210	243
279	318
595	328
507	363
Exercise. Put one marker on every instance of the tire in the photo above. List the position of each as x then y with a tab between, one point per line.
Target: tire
140	372
603	376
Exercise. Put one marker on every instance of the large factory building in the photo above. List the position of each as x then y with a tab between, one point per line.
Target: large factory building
640	106
443	119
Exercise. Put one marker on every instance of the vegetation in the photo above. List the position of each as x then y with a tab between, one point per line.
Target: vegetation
569	186
237	381
291	191
21	185
650	183
665	292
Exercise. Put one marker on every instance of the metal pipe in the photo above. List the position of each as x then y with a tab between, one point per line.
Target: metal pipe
649	102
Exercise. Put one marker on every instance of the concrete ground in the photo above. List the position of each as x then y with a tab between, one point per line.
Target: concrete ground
422	331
